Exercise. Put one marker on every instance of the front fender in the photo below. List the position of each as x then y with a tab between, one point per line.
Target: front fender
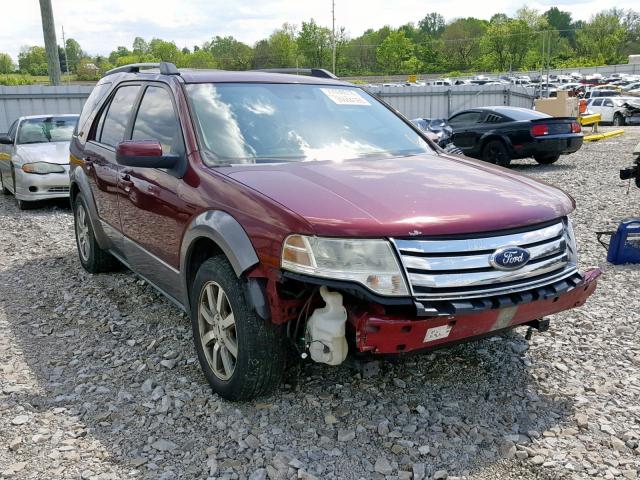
225	231
79	184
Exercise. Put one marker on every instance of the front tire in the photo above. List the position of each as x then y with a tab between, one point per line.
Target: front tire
495	152
546	159
241	355
618	120
23	205
92	257
5	190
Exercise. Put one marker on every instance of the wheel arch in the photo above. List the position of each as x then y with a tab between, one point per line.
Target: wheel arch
506	141
79	184
214	233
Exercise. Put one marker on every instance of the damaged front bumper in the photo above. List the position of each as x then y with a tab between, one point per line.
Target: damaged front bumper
393	334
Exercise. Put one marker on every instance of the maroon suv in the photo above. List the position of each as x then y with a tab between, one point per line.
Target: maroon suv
288	212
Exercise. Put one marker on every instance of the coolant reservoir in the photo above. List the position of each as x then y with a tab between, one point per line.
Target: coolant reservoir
326	330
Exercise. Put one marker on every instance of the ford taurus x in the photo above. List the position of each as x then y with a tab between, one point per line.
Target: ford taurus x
299	213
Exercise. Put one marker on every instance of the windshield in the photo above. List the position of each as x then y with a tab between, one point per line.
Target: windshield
269	123
46	129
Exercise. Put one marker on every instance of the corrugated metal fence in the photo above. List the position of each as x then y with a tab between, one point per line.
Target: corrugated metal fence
413	102
39	100
441	102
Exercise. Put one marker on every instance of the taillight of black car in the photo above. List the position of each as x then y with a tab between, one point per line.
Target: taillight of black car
540	130
555	128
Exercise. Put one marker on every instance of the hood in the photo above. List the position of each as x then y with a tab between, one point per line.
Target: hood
54	152
407	196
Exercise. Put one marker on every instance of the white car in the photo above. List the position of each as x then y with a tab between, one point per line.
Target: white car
611	109
34	158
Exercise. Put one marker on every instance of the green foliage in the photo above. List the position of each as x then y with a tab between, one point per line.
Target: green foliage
6	63
33	60
431	45
395	53
13	80
229	54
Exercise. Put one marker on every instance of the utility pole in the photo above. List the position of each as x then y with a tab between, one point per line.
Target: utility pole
333	33
66	59
50	43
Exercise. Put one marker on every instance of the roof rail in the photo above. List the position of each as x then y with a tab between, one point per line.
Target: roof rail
314	72
166	68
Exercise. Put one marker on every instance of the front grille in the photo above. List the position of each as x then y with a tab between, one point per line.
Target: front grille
58	190
458	267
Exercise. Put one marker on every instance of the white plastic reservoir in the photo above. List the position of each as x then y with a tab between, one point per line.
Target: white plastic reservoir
326	330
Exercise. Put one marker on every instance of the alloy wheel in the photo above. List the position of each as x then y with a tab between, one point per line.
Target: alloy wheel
82	233
217	330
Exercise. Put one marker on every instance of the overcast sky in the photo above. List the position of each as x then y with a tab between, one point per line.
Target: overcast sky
101	25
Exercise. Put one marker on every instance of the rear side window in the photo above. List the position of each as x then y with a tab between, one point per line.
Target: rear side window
157	120
607	103
597	102
465	118
114	123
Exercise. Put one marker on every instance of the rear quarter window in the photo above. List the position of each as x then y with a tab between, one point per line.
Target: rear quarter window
95	97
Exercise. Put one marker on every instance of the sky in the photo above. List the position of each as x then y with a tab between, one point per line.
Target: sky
101	25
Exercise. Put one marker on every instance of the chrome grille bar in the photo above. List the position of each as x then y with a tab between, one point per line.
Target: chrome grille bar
449	269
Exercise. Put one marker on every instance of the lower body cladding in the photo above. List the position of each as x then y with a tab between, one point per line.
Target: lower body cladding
32	186
382	333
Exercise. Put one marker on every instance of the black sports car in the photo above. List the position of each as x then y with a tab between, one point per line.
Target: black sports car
499	134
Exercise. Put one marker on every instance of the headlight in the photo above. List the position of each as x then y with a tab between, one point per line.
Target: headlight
570	237
371	263
42	168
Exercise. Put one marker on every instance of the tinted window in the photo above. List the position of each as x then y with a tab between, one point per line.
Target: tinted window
115	121
156	120
597	102
465	118
607	103
96	95
46	129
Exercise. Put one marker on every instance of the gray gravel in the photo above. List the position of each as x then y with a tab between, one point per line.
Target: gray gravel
99	378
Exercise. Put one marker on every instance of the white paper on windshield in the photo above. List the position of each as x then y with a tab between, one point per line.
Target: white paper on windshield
345	96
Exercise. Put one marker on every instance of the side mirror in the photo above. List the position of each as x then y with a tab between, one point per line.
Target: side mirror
6	140
145	154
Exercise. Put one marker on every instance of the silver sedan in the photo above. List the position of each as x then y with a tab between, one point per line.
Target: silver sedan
34	158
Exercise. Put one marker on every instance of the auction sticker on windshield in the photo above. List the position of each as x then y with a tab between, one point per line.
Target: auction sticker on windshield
345	96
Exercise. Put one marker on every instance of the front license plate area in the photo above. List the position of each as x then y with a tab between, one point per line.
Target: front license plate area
437	333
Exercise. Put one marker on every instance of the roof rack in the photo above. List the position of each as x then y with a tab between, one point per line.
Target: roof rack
166	68
314	72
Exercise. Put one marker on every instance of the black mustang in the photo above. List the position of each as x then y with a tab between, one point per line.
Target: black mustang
498	134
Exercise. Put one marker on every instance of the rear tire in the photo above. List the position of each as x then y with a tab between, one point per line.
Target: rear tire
546	159
618	120
241	355
92	257
495	152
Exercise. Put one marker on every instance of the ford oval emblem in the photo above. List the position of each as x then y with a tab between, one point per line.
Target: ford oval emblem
509	258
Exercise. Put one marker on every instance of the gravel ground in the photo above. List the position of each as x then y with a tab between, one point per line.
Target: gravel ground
99	378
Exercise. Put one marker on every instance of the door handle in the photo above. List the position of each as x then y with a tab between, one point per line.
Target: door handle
88	163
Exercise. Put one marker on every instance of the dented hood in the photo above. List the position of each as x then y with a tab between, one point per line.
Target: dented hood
406	196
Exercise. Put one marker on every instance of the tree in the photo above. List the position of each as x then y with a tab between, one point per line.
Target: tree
118	53
432	24
394	51
140	46
163	51
33	60
6	63
603	38
230	54
283	50
462	41
200	59
74	54
559	20
314	43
